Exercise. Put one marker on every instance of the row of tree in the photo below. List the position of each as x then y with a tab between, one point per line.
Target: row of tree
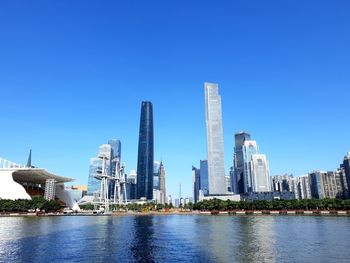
23	205
304	204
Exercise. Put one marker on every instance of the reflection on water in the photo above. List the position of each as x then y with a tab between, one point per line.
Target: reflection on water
175	239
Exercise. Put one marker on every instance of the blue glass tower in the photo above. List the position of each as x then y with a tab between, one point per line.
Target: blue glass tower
145	153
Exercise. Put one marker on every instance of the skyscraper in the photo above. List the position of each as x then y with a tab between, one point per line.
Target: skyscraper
250	148
93	183
215	141
238	163
145	153
204	180
346	166
196	183
162	188
260	173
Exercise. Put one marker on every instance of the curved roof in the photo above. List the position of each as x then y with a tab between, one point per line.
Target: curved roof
35	175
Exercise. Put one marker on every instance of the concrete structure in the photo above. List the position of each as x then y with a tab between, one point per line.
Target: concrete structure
304	188
215	141
21	182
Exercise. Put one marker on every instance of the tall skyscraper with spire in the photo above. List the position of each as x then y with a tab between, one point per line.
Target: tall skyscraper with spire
215	141
145	153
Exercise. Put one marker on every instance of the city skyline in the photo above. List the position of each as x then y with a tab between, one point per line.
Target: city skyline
59	78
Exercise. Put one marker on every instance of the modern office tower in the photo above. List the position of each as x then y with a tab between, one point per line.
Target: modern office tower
162	188
131	185
204	180
177	202
228	184
249	148
346	166
145	153
215	141
238	161
316	184
341	183
304	189
196	177
94	184
260	173
233	180
156	167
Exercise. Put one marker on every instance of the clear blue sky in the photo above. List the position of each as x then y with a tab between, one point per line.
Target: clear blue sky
73	75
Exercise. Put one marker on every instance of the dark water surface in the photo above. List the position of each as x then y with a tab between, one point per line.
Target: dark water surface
175	239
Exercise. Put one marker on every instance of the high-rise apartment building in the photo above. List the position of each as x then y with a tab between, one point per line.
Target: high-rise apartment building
145	153
316	183
215	141
304	188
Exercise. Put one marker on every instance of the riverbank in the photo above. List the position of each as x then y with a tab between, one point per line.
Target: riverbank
204	213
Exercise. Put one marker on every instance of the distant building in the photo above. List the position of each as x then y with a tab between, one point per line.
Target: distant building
346	166
196	183
215	141
304	188
285	183
145	153
50	189
131	185
162	187
94	185
238	161
260	173
228	185
316	182
250	170
268	196
156	167
204	177
250	148
231	197
341	183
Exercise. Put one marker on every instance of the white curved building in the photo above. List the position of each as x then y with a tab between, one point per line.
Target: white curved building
21	182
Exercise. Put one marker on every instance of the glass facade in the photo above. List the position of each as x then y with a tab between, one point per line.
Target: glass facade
249	149
204	181
145	153
93	183
215	141
238	163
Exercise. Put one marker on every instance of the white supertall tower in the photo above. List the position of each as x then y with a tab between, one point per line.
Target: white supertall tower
215	141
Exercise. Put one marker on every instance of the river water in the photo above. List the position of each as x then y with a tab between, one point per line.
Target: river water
175	238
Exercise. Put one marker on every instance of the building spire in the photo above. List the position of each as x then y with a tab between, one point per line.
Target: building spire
29	162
